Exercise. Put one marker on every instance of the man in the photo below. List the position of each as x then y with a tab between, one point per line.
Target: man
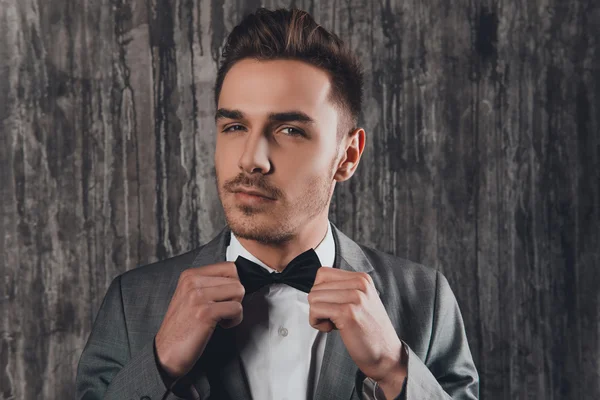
281	304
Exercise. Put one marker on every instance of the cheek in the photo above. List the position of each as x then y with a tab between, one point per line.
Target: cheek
225	159
304	174
319	168
312	159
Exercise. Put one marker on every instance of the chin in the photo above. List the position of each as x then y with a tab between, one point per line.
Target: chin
257	226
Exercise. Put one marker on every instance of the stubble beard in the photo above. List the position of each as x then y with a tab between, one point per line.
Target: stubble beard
281	223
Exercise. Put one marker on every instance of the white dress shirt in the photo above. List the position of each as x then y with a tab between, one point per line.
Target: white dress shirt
281	353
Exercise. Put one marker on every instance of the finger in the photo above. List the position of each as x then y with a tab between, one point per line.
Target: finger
191	282
327	273
335	274
230	292
351	283
326	311
359	281
226	313
212	281
324	325
222	269
230	323
337	296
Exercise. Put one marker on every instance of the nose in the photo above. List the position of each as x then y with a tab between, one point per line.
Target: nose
256	154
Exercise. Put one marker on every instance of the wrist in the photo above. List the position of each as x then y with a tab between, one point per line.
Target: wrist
391	385
394	380
167	373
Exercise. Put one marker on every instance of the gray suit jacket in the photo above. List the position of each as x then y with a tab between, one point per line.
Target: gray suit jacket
118	361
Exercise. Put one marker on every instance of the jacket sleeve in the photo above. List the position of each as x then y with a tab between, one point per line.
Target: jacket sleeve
448	371
107	369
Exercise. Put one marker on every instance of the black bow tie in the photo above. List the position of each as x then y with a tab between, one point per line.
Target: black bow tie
300	273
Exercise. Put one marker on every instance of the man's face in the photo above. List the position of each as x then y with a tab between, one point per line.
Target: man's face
265	144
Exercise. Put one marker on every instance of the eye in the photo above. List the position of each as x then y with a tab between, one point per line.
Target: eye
294	131
228	129
291	131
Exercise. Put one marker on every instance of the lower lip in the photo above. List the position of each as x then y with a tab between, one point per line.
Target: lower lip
252	199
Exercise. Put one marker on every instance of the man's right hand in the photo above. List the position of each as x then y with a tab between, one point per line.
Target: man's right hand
204	297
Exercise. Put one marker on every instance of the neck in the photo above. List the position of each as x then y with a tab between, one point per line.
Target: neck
277	257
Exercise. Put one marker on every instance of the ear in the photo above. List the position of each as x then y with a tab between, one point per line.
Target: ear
354	145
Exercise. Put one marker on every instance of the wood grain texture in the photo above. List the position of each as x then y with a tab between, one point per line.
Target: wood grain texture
482	160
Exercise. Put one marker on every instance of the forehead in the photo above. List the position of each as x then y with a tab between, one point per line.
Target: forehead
262	87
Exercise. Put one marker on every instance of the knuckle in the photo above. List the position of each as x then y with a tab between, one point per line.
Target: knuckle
186	278
232	269
183	276
319	275
195	294
235	293
359	297
241	290
203	312
349	310
364	281
239	307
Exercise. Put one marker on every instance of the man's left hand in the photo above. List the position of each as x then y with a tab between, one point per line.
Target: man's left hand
348	301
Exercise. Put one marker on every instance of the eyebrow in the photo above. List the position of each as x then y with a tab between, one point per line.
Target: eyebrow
288	116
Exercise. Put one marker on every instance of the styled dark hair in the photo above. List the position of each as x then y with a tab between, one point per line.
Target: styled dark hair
294	34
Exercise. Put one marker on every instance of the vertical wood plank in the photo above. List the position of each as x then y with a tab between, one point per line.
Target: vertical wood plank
482	161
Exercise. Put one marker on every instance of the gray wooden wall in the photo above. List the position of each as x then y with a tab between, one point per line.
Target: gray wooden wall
482	160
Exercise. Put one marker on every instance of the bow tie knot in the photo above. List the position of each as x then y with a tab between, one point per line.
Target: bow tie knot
300	273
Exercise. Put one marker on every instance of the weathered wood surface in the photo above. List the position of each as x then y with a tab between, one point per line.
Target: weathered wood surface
482	160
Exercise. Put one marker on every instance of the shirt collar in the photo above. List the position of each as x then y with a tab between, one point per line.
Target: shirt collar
325	251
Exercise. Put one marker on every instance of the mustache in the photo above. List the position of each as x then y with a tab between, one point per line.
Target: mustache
257	182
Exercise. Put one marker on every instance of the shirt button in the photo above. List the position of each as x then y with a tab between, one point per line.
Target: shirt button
283	332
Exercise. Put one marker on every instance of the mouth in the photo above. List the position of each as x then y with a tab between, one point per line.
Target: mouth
252	196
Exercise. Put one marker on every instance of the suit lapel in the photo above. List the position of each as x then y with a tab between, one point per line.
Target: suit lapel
221	360
338	374
338	370
225	367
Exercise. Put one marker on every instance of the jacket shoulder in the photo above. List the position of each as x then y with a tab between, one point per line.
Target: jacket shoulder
404	272
159	271
414	296
146	292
